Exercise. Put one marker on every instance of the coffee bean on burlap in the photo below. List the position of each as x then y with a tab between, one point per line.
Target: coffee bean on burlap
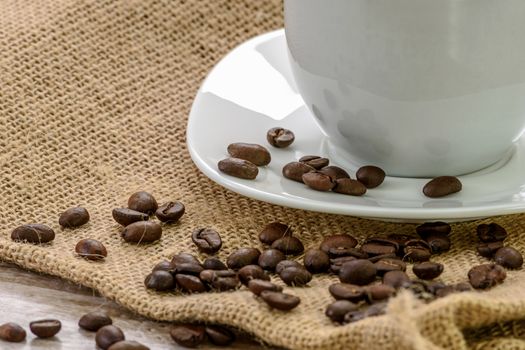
95	320
128	345
337	263
273	231
240	168
142	232
295	171
250	272
420	289
286	264
33	233
428	228
491	233
295	276
316	261
190	283
164	265
509	257
91	249
346	291
74	217
438	243
160	281
214	264
12	332
334	172
442	186
389	264
379	246
280	137
188	335
143	202
376	309
453	288
318	181
400	239
220	280
242	257
170	212
486	276
416	250
395	278
339	252
189	268
427	270
359	271
45	328
219	335
207	240
126	216
269	259
251	152
257	286
184	258
370	176
488	250
288	245
315	161
349	187
337	310
108	335
280	301
337	241
378	292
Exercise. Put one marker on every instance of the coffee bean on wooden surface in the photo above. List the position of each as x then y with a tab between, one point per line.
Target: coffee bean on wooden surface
316	261
379	292
142	232
488	250
346	291
184	258
334	172
428	270
164	265
295	171
251	152
219	335
45	328
395	278
189	336
295	276
95	320
315	161
338	252
337	241
170	212
491	233
280	137
389	264
91	249
318	181
242	257
220	280
280	301
190	283
288	245
74	217
128	345
207	240
12	332
359	271
214	264
126	216
486	276
240	168
143	202
286	264
257	286
337	310
379	246
509	257
250	272
349	187
337	263
416	250
108	335
33	233
433	227
273	231
438	242
269	259
370	176
160	281
442	186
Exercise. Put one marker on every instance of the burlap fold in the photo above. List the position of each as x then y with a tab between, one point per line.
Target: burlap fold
94	97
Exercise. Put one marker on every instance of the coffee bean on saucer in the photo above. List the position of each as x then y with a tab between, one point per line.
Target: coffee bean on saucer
370	176
45	328
126	216
378	292
280	301
286	264
315	161
488	250
318	181
142	232
295	171
207	240
251	272
349	187
346	291
491	233
190	283
242	257
160	281
427	270
250	152
389	264
91	249
509	257
220	280
334	172
316	261
288	245
95	320
337	310
269	259
33	233
170	212
433	227
280	137
257	286
189	336
295	276
395	278
360	272
143	202
273	232
219	335
12	332
486	276
379	246
338	241
442	186
214	264
74	217
128	345
238	168
108	335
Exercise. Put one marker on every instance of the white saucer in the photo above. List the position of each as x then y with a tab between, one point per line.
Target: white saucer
252	90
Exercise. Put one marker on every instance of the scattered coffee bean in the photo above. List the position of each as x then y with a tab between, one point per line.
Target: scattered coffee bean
488	250
288	245
509	257
164	265
400	239
91	249
74	217
315	161
257	286
334	172
239	168
108	335
453	288
370	176
251	272
395	278
93	321
316	261
416	250
269	259
242	257
280	301
128	345
286	264
491	233
428	228
207	240
318	181
142	232
379	246
442	186
349	187
12	333
338	241
339	252
214	264
170	212
428	270
337	310
337	263
379	292
438	243
189	336
346	291
273	231
280	137
295	276
295	171
189	268
359	271
220	280
420	290
160	281
486	276
45	328
219	335
143	202
33	233
250	152
374	259
190	283
184	258
389	264
125	216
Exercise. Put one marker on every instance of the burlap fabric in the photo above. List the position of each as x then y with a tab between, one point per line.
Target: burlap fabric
94	97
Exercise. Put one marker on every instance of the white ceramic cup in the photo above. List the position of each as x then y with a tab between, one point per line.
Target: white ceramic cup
420	88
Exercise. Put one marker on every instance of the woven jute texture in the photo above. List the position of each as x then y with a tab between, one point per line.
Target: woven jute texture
94	97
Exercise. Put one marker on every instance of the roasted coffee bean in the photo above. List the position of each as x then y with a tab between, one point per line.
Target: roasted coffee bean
349	187
286	264
251	272
273	231
280	301
160	281
221	280
379	292
335	264
442	186
509	257
346	291
33	233
295	276
434	286
315	161
395	278
416	250
45	328
438	242
339	252
428	270
453	288
214	264
142	232
376	309
269	259
379	246
238	168
170	212
251	152
389	264
207	240
488	250
219	335
12	333
295	171
428	228
242	257
288	245
374	259
108	335
280	137
400	239
334	172
74	217
370	176
91	249
190	283
337	310
125	216
257	286
164	265
316	261
184	258
491	233
360	272
419	289
318	181
486	276
143	202
190	268
95	320
189	336
338	241
128	345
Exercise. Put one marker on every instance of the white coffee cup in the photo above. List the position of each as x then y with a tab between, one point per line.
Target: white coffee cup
420	88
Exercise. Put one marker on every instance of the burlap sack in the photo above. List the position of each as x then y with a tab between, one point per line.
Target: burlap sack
94	97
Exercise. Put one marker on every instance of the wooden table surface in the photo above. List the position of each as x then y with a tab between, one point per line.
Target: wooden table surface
27	296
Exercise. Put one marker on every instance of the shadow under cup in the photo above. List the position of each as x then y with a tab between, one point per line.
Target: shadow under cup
420	88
